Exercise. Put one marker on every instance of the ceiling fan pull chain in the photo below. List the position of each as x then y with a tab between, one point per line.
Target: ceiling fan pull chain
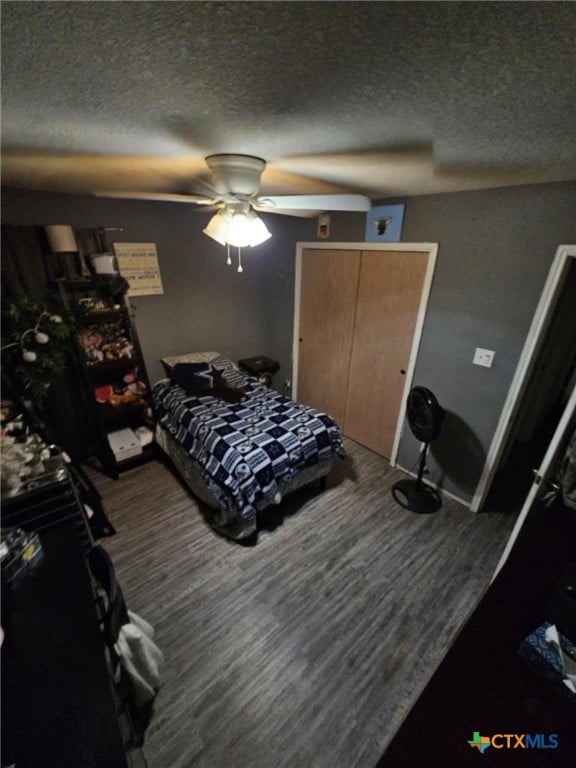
228	259
240	268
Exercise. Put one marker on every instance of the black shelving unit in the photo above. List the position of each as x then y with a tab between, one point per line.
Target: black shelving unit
110	367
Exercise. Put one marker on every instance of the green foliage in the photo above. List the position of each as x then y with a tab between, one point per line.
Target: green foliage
25	325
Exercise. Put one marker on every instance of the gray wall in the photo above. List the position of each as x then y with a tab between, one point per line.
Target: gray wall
495	249
206	304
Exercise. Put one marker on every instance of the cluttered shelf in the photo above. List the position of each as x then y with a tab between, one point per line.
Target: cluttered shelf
98	370
71	350
114	375
129	413
79	709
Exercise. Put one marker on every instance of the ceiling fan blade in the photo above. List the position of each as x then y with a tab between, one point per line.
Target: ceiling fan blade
276	181
167	197
303	214
317	202
217	206
83	173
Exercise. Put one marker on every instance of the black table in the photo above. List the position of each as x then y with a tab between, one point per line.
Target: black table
260	366
58	706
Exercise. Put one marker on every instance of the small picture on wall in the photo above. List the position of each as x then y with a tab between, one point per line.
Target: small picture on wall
384	224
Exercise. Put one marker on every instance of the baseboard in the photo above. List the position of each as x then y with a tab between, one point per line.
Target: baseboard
441	490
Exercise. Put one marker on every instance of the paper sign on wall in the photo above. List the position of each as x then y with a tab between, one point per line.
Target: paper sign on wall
138	263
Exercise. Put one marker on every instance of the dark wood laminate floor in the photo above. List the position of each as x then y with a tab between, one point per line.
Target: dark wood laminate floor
308	649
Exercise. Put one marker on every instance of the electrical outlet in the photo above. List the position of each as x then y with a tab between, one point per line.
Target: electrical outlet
483	357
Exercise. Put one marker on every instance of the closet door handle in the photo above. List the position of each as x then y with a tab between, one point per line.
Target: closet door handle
402	371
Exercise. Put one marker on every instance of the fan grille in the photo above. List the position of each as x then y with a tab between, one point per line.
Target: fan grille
424	414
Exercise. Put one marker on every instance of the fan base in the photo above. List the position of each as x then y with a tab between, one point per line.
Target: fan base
416	496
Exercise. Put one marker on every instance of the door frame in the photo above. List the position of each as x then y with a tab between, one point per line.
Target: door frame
544	311
541	476
432	250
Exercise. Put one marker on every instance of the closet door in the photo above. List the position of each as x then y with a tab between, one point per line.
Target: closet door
329	283
389	292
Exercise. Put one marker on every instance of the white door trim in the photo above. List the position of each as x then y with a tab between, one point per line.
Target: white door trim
534	338
432	250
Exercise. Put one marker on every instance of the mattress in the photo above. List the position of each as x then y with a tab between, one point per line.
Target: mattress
246	455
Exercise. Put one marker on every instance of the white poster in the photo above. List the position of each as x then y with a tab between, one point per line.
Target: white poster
138	263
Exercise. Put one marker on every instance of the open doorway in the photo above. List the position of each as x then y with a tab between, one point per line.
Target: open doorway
548	386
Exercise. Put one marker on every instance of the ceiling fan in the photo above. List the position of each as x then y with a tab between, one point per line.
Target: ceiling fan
236	183
234	191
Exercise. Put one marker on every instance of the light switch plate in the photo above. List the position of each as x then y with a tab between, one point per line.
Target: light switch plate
483	357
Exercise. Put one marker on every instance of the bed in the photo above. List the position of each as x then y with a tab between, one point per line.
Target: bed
239	458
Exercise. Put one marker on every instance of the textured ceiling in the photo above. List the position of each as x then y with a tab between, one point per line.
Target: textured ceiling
376	97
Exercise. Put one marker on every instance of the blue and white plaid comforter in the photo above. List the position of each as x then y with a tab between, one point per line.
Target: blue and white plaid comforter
244	450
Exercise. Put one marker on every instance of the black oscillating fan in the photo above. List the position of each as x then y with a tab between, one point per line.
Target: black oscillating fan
424	417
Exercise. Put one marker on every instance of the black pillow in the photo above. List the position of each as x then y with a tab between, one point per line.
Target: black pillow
185	375
195	378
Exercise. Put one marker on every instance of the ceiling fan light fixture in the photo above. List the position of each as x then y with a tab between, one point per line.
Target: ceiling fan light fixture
237	228
254	228
217	227
239	231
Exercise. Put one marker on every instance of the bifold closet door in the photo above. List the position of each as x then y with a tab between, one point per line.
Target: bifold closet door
329	283
389	292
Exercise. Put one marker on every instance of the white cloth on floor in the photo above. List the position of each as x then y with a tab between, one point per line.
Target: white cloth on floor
140	658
